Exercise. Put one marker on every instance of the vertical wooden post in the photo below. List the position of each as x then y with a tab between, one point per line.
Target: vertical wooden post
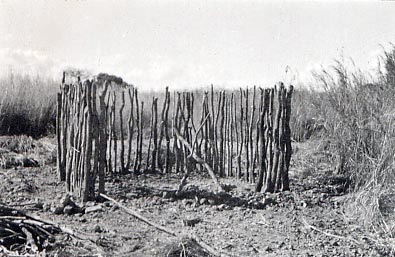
257	132
250	139
72	126
140	148
176	125
221	111
239	167
207	131
214	145
102	137
276	142
110	133
287	139
147	163
281	145
158	160
247	137
114	130
95	137
122	135
60	165
130	127
166	125
229	130
262	142
137	154
155	134
269	185
233	123
88	189
64	123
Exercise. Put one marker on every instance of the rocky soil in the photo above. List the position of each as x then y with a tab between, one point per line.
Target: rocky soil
307	221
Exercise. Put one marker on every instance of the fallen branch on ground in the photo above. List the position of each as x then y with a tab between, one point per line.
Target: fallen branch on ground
330	234
200	242
20	230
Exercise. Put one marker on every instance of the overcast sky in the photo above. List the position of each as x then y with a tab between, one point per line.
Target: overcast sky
153	44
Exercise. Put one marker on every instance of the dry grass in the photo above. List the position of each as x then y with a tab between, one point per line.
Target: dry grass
27	105
355	114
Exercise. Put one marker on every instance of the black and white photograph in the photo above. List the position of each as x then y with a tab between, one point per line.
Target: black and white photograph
197	128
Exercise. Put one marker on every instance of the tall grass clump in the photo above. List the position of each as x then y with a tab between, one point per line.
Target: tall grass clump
27	105
306	120
358	118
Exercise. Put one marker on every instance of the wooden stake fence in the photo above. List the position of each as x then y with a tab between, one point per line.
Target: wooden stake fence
103	129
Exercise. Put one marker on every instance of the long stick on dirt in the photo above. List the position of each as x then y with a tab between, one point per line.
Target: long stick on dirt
210	249
330	234
139	216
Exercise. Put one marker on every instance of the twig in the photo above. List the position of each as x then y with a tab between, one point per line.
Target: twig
12	218
199	160
197	133
30	240
63	229
200	242
139	216
330	234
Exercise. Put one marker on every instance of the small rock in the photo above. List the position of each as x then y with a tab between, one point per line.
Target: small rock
211	201
227	207
97	229
114	207
203	201
46	207
96	208
221	207
258	205
191	222
107	204
69	210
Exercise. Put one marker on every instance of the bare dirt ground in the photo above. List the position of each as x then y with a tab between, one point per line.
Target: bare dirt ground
308	221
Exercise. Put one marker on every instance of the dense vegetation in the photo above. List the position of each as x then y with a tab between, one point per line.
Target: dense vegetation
353	115
27	105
